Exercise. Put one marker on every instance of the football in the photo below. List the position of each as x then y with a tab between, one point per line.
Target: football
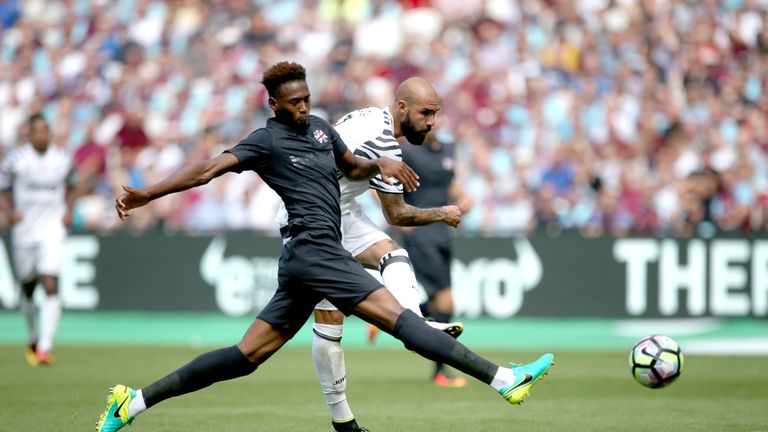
656	361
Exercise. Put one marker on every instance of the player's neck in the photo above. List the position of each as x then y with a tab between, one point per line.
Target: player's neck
40	150
396	129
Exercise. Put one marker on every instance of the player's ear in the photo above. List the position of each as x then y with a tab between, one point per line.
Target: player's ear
272	102
402	106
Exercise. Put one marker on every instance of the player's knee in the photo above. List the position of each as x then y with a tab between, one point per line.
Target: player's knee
396	256
330	332
330	317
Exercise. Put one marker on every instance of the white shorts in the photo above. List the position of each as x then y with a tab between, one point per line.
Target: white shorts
39	258
358	233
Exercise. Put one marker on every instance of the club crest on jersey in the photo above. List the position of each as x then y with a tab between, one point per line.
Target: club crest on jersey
320	136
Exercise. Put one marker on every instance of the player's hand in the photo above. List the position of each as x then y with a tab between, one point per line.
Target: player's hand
452	216
131	199
390	168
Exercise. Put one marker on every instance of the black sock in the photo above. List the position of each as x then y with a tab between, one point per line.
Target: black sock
440	347
214	366
441	317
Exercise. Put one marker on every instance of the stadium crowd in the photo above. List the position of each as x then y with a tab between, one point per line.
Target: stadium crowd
602	116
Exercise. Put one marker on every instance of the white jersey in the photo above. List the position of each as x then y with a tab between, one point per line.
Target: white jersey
368	133
38	184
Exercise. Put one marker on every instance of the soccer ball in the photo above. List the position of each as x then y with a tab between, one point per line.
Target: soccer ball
656	361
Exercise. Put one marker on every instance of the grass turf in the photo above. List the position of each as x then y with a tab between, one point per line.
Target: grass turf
388	390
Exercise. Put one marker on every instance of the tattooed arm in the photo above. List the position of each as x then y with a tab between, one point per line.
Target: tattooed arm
398	213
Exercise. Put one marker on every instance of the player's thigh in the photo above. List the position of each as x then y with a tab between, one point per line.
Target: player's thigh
340	279
321	267
261	340
327	313
360	234
25	259
289	308
381	309
49	256
371	257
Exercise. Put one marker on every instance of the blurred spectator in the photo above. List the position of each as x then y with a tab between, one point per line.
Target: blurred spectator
606	117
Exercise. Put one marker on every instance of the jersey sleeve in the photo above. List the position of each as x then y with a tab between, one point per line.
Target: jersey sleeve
377	182
338	144
254	152
368	132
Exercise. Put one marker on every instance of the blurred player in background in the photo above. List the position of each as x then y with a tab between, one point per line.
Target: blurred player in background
371	133
430	246
299	156
36	180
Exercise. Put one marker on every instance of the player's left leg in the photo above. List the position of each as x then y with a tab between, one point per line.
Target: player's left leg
283	316
28	309
394	265
432	263
257	345
24	259
48	267
328	357
440	307
50	313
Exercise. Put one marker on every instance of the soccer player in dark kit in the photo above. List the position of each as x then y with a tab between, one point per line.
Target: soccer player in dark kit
297	155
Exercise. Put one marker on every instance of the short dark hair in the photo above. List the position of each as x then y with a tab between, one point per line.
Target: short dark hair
281	73
35	117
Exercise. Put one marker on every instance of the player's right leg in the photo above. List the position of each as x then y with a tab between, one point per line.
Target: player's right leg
514	384
329	363
24	259
432	265
29	311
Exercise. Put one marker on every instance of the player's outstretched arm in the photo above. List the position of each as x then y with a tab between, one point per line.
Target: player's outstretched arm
398	213
185	178
355	168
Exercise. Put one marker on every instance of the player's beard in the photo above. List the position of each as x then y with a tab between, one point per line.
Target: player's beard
409	131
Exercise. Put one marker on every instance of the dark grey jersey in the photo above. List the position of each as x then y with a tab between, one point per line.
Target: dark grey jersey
301	167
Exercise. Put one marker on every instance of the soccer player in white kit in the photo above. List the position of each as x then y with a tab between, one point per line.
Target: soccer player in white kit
36	182
371	133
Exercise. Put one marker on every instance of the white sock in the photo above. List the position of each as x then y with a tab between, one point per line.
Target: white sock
504	377
28	309
49	322
329	362
398	277
137	406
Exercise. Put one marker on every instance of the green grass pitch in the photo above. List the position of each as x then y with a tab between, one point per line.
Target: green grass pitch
388	390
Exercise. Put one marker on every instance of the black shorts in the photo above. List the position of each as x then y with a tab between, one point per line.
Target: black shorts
431	263
314	266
